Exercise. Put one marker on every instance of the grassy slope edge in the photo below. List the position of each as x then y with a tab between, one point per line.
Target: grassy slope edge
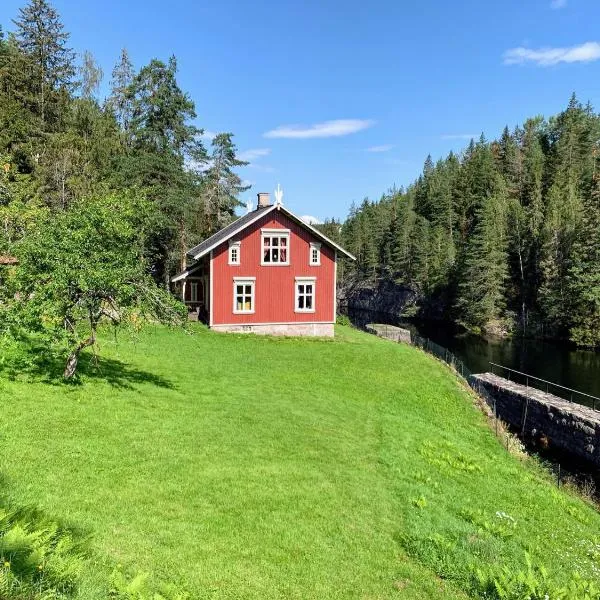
241	466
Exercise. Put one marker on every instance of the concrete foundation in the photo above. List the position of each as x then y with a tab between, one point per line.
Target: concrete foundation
290	329
570	427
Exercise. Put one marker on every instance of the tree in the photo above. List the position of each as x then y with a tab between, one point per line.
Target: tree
41	36
161	112
221	184
120	101
584	275
91	76
82	267
482	286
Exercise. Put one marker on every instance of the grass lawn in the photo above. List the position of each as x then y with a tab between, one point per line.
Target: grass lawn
252	467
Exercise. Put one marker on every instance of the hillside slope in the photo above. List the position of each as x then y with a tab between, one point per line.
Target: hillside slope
254	467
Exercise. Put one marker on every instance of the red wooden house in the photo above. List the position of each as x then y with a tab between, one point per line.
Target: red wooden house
267	272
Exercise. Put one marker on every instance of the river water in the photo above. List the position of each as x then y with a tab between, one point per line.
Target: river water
553	361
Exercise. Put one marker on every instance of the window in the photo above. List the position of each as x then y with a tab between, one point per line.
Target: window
315	254
275	247
305	294
234	253
243	295
194	291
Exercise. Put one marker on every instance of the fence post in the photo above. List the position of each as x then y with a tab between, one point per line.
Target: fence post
496	416
558	476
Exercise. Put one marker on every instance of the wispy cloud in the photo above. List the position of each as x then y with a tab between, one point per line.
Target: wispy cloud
254	154
382	148
335	128
459	136
311	220
208	135
546	57
556	4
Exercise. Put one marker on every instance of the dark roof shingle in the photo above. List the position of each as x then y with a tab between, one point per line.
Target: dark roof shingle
226	232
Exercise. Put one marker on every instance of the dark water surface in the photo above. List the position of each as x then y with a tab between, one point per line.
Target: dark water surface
554	361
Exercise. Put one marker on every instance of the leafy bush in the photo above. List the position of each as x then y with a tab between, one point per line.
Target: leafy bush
343	320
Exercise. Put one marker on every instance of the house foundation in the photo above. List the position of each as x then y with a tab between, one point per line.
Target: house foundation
290	329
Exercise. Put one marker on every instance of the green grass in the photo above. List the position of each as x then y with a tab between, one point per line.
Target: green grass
254	467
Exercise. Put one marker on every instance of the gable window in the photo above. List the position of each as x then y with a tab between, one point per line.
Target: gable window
315	254
305	294
243	295
234	253
275	247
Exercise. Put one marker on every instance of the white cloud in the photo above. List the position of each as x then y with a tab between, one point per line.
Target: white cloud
208	135
253	154
311	220
382	148
459	136
545	57
334	128
556	4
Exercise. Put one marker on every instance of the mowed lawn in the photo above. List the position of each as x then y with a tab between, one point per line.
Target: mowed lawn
252	467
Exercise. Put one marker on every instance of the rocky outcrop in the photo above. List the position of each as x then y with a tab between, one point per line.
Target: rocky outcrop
378	296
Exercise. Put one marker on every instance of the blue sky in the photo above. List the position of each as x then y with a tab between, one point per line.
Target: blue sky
338	100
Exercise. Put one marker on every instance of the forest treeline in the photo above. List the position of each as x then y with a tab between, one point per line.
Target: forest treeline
504	236
60	141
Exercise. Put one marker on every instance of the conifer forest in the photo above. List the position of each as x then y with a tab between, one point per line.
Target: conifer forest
503	237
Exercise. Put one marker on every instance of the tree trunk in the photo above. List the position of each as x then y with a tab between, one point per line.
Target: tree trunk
73	359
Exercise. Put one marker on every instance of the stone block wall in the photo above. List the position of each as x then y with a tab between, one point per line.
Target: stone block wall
390	332
565	425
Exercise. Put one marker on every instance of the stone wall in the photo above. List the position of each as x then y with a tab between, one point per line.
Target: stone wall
291	329
390	332
563	425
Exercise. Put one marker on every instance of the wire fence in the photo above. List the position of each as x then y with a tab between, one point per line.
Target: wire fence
544	385
501	429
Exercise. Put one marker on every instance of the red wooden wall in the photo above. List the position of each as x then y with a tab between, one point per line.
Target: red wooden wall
275	285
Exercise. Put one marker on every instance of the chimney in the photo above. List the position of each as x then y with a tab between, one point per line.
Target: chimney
263	200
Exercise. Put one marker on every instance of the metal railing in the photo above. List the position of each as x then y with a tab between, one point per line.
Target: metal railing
544	385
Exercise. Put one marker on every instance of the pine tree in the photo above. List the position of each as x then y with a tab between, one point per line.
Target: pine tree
41	36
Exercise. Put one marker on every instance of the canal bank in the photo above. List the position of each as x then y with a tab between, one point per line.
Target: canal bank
554	361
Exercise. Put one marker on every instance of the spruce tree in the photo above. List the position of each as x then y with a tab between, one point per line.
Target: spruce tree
482	287
41	36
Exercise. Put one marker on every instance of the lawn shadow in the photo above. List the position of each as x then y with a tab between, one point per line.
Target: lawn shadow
37	364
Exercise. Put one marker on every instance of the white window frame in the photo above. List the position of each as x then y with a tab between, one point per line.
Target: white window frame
304	281
251	281
271	233
314	247
235	246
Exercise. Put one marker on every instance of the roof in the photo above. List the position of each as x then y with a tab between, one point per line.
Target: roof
8	260
240	224
224	234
